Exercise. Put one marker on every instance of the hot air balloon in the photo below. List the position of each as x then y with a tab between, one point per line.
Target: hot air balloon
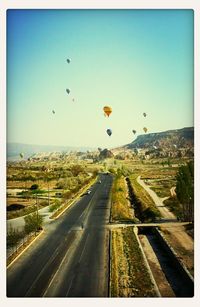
21	155
107	110
144	114
145	129
68	61
53	112
67	90
109	132
134	131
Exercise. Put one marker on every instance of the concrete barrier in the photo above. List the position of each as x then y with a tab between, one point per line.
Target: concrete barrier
174	257
135	229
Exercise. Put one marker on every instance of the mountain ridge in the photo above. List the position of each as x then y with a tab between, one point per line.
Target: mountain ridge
179	137
171	143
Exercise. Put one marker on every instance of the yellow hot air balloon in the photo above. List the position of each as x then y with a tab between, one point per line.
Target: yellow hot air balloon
107	110
145	129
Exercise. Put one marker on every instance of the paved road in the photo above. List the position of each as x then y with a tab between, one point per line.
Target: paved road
71	258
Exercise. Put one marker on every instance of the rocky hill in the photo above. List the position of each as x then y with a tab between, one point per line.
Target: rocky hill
105	153
171	138
173	143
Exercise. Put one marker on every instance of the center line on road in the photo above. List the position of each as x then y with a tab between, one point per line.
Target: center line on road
71	249
70	285
41	272
84	247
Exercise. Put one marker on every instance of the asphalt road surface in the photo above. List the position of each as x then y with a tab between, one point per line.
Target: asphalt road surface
71	258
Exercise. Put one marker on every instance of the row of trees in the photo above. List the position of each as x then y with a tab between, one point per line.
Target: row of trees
185	190
33	224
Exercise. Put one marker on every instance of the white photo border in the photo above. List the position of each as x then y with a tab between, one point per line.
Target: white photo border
98	4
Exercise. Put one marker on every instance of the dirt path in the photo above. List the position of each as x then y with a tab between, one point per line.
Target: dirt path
182	244
177	237
173	191
157	200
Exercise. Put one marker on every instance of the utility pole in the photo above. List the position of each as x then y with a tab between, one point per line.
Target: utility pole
47	179
36	197
48	193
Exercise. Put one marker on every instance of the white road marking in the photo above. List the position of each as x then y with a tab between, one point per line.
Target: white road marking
70	285
68	251
83	248
51	259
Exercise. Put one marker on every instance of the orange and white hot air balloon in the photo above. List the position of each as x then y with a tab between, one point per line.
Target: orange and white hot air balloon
107	110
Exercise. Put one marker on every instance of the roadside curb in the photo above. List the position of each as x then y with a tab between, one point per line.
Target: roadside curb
135	230
110	264
23	250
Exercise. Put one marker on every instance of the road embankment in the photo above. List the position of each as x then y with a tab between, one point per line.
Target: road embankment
168	271
129	272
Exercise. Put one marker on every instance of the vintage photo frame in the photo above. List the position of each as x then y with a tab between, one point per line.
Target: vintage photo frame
97	4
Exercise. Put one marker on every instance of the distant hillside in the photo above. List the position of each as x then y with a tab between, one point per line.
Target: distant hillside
172	143
178	138
14	149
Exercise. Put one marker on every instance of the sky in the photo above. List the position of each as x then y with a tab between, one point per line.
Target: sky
132	60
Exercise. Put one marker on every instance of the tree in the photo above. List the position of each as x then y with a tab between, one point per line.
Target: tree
185	190
34	187
33	222
62	184
76	170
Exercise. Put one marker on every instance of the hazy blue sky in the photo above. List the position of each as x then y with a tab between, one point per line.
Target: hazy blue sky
132	60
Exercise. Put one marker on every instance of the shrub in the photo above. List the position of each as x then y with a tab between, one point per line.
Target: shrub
33	222
55	206
144	207
13	237
34	186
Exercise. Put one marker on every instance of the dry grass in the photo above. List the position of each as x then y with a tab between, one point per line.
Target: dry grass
182	244
129	275
146	209
121	208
